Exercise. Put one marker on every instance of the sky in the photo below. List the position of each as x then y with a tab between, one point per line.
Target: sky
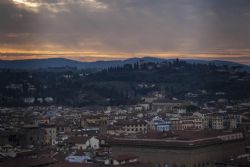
90	30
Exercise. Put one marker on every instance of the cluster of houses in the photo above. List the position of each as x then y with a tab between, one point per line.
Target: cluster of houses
81	134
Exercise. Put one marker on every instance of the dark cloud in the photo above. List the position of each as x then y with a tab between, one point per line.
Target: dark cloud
127	25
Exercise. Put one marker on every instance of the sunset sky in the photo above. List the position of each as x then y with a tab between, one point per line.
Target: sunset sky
90	30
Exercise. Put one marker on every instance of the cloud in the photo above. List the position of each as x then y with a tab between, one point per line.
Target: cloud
126	26
56	6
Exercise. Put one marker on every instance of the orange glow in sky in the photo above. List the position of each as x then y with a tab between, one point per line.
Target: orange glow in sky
91	30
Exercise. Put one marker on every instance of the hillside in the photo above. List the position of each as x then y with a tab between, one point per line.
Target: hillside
61	62
124	84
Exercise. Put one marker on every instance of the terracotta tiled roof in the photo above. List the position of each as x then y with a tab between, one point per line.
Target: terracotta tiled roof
78	139
125	157
28	162
67	164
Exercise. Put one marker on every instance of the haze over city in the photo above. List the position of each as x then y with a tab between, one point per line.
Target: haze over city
90	30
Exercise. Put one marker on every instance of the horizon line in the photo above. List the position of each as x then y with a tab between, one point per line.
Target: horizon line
124	59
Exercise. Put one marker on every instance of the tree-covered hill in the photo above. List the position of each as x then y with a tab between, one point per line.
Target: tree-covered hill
125	84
